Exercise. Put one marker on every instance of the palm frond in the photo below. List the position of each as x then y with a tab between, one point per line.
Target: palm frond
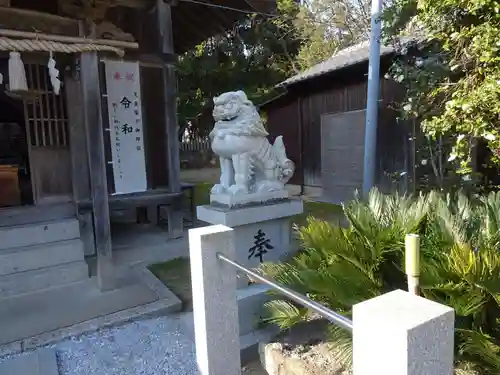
341	342
460	266
480	345
466	368
283	313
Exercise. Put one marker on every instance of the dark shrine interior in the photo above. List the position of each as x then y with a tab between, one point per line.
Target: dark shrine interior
15	181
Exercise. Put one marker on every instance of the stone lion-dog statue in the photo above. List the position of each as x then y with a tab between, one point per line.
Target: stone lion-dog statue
249	163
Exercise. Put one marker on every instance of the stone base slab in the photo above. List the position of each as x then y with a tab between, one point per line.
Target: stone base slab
251	302
246	199
251	214
103	310
38	362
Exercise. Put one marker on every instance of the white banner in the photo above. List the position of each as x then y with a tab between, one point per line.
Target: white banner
125	122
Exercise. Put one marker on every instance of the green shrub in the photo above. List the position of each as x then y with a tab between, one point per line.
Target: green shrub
340	267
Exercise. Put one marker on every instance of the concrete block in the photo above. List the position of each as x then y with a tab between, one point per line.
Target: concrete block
39	362
43	278
233	201
215	308
52	314
175	223
250	306
39	256
402	334
249	215
35	234
11	348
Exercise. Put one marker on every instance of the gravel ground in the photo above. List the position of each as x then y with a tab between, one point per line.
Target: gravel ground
148	347
151	347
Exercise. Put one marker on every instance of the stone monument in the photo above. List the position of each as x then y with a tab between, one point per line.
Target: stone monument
251	196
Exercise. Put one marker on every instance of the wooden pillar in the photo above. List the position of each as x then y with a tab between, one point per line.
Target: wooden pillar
166	51
92	115
78	149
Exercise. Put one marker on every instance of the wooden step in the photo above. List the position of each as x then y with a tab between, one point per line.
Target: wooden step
37	234
22	259
42	278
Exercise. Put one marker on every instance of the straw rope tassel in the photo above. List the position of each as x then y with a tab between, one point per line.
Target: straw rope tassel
17	74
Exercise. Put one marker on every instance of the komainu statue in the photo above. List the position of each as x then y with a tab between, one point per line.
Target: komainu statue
249	163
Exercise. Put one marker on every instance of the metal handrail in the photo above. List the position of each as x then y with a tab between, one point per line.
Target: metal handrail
332	316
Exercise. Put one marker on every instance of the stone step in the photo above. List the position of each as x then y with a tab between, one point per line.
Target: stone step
42	278
40	233
64	308
40	362
22	259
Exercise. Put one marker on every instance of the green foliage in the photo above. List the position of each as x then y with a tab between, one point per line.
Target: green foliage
261	51
324	26
254	56
452	75
460	260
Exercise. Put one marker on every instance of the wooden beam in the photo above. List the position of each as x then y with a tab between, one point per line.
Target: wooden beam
28	20
92	115
77	133
185	33
80	174
76	9
166	48
156	197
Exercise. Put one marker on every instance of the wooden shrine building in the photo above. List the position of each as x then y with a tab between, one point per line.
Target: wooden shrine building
99	135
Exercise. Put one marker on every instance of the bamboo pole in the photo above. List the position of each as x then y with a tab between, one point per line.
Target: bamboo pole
412	262
67	39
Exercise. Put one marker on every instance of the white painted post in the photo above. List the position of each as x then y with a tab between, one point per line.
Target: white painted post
402	334
215	307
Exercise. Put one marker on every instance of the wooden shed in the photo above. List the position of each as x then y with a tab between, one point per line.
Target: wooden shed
322	117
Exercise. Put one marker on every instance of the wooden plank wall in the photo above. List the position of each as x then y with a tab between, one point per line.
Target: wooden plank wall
154	126
333	96
288	114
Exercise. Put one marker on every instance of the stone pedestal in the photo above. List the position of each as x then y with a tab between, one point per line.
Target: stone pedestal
262	233
415	336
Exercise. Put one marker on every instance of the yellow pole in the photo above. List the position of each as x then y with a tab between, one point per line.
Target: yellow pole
412	262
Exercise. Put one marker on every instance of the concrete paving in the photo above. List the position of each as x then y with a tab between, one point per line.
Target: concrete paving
38	362
32	314
29	315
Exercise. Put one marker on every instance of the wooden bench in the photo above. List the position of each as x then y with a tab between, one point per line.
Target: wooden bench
190	188
150	198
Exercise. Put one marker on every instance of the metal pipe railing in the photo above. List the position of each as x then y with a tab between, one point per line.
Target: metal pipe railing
332	316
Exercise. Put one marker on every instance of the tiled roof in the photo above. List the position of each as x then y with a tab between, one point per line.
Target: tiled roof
349	56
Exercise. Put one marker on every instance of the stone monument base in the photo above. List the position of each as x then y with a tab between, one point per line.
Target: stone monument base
262	233
246	199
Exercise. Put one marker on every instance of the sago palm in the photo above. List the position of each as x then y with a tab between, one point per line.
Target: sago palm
340	267
460	238
464	273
